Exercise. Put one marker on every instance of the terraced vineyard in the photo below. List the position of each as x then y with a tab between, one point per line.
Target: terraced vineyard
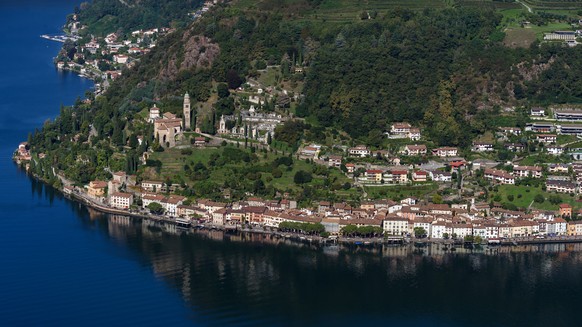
554	4
349	10
487	4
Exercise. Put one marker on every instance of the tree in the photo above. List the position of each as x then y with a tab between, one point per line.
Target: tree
222	90
419	232
446	236
539	198
156	208
233	79
302	177
277	173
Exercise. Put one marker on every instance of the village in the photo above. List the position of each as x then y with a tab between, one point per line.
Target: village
466	217
103	59
520	181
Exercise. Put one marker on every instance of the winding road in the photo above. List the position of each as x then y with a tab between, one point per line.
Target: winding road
526	6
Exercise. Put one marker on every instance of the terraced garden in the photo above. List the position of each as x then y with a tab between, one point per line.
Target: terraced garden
554	4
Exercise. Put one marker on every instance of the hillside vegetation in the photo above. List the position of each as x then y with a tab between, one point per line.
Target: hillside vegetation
442	67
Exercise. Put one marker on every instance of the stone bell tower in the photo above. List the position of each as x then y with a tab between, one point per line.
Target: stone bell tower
187	111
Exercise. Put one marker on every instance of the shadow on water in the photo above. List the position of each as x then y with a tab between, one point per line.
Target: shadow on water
234	278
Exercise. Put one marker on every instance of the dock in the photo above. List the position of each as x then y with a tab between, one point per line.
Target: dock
60	38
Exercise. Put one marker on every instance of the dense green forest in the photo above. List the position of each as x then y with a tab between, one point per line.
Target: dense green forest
107	16
443	69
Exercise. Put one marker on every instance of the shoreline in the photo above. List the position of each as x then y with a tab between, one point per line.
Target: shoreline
340	240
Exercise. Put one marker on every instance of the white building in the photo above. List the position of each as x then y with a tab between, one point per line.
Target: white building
359	151
396	226
121	200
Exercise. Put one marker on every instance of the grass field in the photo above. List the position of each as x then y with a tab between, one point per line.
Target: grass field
397	192
528	194
173	162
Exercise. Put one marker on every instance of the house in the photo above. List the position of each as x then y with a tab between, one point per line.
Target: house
219	217
575	228
537	112
373	175
171	204
527	171
334	161
521	228
359	151
515	147
395	226
415	150
558	168
425	223
400	128
96	189
510	130
482	146
555	150
414	134
121	200
152	186
540	127
491	230
445	152
569	129
565	210
557	227
310	151
120	58
439	229
568	115
560	187
499	176
462	230
560	36
456	164
440	176
420	176
324	206
396	176
350	167
546	138
149	198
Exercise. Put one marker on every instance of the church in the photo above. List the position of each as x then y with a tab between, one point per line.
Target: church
168	127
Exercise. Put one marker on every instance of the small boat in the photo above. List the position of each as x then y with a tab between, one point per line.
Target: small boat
181	222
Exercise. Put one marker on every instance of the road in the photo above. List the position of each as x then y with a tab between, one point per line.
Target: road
526	6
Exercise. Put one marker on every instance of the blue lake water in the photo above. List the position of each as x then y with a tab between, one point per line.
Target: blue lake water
64	265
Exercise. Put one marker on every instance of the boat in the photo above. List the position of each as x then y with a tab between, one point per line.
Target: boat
182	222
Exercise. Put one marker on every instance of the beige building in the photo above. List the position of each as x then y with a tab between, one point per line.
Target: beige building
96	188
575	228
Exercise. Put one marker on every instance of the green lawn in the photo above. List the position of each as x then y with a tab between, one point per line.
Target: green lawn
563	139
528	194
173	162
398	192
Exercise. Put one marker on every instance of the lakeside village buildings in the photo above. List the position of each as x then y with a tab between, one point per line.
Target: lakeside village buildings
395	218
111	51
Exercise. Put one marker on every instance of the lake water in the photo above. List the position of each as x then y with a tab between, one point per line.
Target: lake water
64	265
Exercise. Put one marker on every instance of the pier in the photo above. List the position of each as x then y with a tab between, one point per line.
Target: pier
60	38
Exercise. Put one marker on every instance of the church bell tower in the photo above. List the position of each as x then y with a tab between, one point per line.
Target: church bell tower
187	111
